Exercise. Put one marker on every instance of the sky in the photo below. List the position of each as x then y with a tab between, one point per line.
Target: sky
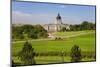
46	13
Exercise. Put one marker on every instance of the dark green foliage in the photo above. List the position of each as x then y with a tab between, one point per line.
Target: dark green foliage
85	25
75	27
41	32
33	36
75	54
17	32
27	28
64	29
27	54
39	28
42	35
28	31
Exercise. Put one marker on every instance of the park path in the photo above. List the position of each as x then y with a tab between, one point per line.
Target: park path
53	37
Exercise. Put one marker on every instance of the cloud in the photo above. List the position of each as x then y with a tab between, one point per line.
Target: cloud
22	17
20	14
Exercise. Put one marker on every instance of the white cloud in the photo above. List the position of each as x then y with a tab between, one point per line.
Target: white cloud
20	14
21	17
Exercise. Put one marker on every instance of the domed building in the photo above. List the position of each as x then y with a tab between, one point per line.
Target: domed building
57	26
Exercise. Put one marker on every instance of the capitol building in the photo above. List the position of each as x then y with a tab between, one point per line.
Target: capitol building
57	26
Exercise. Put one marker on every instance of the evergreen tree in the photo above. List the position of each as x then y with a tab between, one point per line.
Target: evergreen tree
75	54
27	54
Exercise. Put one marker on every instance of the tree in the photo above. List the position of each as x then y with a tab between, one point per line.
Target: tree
27	28
28	31
63	29
27	54
42	35
39	28
32	35
17	32
87	26
75	54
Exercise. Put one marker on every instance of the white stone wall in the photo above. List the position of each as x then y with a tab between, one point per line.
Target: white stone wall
51	27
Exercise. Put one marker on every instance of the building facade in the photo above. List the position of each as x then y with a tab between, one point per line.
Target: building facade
57	26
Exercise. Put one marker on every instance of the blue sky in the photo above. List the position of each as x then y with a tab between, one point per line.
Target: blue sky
42	13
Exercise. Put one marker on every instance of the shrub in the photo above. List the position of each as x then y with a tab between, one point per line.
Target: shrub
27	54
75	54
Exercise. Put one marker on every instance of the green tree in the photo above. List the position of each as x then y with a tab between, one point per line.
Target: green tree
75	54
27	54
64	29
42	35
39	28
17	32
28	31
85	25
27	28
33	35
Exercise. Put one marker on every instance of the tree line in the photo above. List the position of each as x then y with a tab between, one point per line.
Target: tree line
85	25
37	31
28	32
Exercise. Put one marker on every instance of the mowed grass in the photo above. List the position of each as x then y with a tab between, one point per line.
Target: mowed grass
51	59
46	59
85	42
68	33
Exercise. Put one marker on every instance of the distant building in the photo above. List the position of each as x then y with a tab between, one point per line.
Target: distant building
57	26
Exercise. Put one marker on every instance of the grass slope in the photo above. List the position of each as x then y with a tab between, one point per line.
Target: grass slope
68	33
85	42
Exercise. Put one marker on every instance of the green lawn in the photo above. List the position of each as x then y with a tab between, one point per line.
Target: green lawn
68	33
52	59
85	42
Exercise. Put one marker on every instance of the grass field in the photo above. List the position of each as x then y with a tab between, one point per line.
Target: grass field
85	42
52	59
72	33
